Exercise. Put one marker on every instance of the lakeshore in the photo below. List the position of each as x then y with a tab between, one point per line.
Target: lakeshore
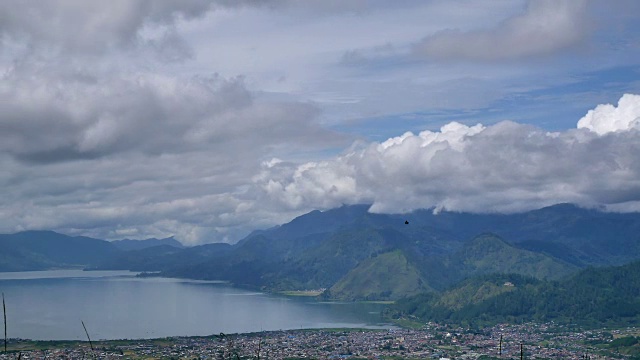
433	341
116	305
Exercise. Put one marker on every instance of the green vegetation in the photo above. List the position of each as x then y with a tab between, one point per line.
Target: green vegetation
490	254
476	290
628	345
319	249
128	245
359	256
324	265
626	341
388	276
592	297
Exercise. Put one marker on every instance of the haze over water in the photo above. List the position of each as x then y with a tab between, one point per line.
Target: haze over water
50	305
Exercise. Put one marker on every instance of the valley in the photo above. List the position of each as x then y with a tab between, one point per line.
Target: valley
447	266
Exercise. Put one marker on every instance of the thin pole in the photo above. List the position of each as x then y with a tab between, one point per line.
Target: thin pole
4	311
86	332
521	351
500	351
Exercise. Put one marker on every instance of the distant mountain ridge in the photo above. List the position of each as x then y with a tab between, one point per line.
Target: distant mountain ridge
43	250
128	244
359	255
331	249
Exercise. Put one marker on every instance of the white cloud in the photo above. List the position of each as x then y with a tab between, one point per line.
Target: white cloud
148	113
607	118
157	155
91	26
208	118
545	27
505	167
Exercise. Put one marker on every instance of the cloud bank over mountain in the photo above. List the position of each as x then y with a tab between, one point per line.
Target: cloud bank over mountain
504	167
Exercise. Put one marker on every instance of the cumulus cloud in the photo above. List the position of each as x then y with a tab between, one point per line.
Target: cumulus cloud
545	27
504	167
608	118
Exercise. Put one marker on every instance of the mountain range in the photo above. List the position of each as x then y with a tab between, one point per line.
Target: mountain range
357	255
44	250
352	254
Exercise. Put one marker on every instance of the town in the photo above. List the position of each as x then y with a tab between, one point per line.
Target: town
433	341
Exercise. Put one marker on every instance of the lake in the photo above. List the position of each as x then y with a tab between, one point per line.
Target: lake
50	305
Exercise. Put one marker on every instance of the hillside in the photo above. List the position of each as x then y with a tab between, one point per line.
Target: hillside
41	250
488	254
609	295
348	261
347	250
128	244
302	246
387	276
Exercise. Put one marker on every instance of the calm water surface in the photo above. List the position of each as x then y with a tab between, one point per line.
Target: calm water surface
50	305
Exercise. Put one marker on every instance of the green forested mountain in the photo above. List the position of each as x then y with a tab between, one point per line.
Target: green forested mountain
489	254
128	244
344	253
359	255
592	296
371	280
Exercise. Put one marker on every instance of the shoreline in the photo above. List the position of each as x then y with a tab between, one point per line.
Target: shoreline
539	339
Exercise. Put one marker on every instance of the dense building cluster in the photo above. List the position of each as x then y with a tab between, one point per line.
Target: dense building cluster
531	341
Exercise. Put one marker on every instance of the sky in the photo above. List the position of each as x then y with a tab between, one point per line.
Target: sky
207	119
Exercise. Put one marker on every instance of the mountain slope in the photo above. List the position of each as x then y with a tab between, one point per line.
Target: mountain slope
608	295
489	253
127	244
320	249
345	248
387	276
40	250
322	265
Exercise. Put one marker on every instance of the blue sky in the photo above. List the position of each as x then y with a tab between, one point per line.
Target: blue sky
206	119
553	106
